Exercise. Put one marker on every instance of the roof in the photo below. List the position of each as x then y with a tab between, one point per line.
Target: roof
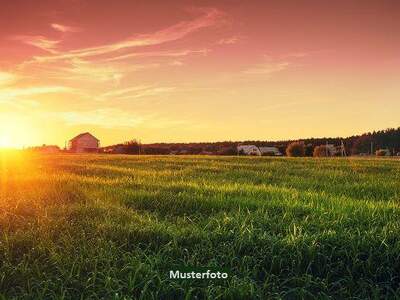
247	146
268	148
83	134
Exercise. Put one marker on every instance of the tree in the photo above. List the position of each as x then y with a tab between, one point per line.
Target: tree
362	144
131	147
295	149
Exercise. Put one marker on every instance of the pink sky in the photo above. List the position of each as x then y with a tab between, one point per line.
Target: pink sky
166	71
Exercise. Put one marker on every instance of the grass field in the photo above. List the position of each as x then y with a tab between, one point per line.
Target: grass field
92	226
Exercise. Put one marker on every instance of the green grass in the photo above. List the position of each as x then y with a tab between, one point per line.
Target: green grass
111	227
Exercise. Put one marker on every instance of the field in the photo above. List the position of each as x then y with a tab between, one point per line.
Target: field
93	226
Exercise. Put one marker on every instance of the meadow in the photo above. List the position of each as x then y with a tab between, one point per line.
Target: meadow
111	227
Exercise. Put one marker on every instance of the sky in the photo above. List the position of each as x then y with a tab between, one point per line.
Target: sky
191	71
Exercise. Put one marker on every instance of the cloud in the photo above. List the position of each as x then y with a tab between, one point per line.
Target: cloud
64	28
274	64
156	91
39	41
7	78
123	92
10	94
176	63
229	41
172	33
113	118
81	70
136	92
267	68
104	117
160	54
86	71
296	55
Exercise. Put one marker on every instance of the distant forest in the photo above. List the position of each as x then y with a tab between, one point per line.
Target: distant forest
354	145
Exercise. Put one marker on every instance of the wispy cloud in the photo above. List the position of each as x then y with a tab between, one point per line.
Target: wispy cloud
64	28
229	41
159	54
123	92
172	33
296	55
156	91
10	94
176	63
40	42
267	68
136	92
275	64
104	117
7	78
82	70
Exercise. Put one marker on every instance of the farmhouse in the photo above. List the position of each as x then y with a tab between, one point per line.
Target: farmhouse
84	143
272	151
248	150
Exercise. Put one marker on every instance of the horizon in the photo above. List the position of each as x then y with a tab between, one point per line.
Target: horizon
181	72
200	142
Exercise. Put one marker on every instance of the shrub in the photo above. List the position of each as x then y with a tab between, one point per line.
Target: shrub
228	151
296	149
309	150
241	152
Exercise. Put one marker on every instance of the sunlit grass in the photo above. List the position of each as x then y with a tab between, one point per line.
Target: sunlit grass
92	226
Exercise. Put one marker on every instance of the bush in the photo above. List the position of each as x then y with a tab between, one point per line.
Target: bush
241	152
228	151
321	151
309	150
296	149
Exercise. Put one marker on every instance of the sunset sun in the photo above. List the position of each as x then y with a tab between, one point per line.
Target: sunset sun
16	132
5	142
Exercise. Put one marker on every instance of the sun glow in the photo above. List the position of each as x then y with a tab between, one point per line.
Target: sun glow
16	132
5	142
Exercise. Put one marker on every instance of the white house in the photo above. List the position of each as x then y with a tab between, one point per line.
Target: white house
84	143
385	152
273	151
248	150
332	149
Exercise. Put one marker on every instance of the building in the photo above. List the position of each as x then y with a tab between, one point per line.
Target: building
270	151
114	149
248	150
383	152
84	143
332	149
48	149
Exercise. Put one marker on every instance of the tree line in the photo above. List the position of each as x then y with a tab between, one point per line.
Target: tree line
367	143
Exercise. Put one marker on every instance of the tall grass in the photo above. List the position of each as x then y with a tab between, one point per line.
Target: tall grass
111	227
